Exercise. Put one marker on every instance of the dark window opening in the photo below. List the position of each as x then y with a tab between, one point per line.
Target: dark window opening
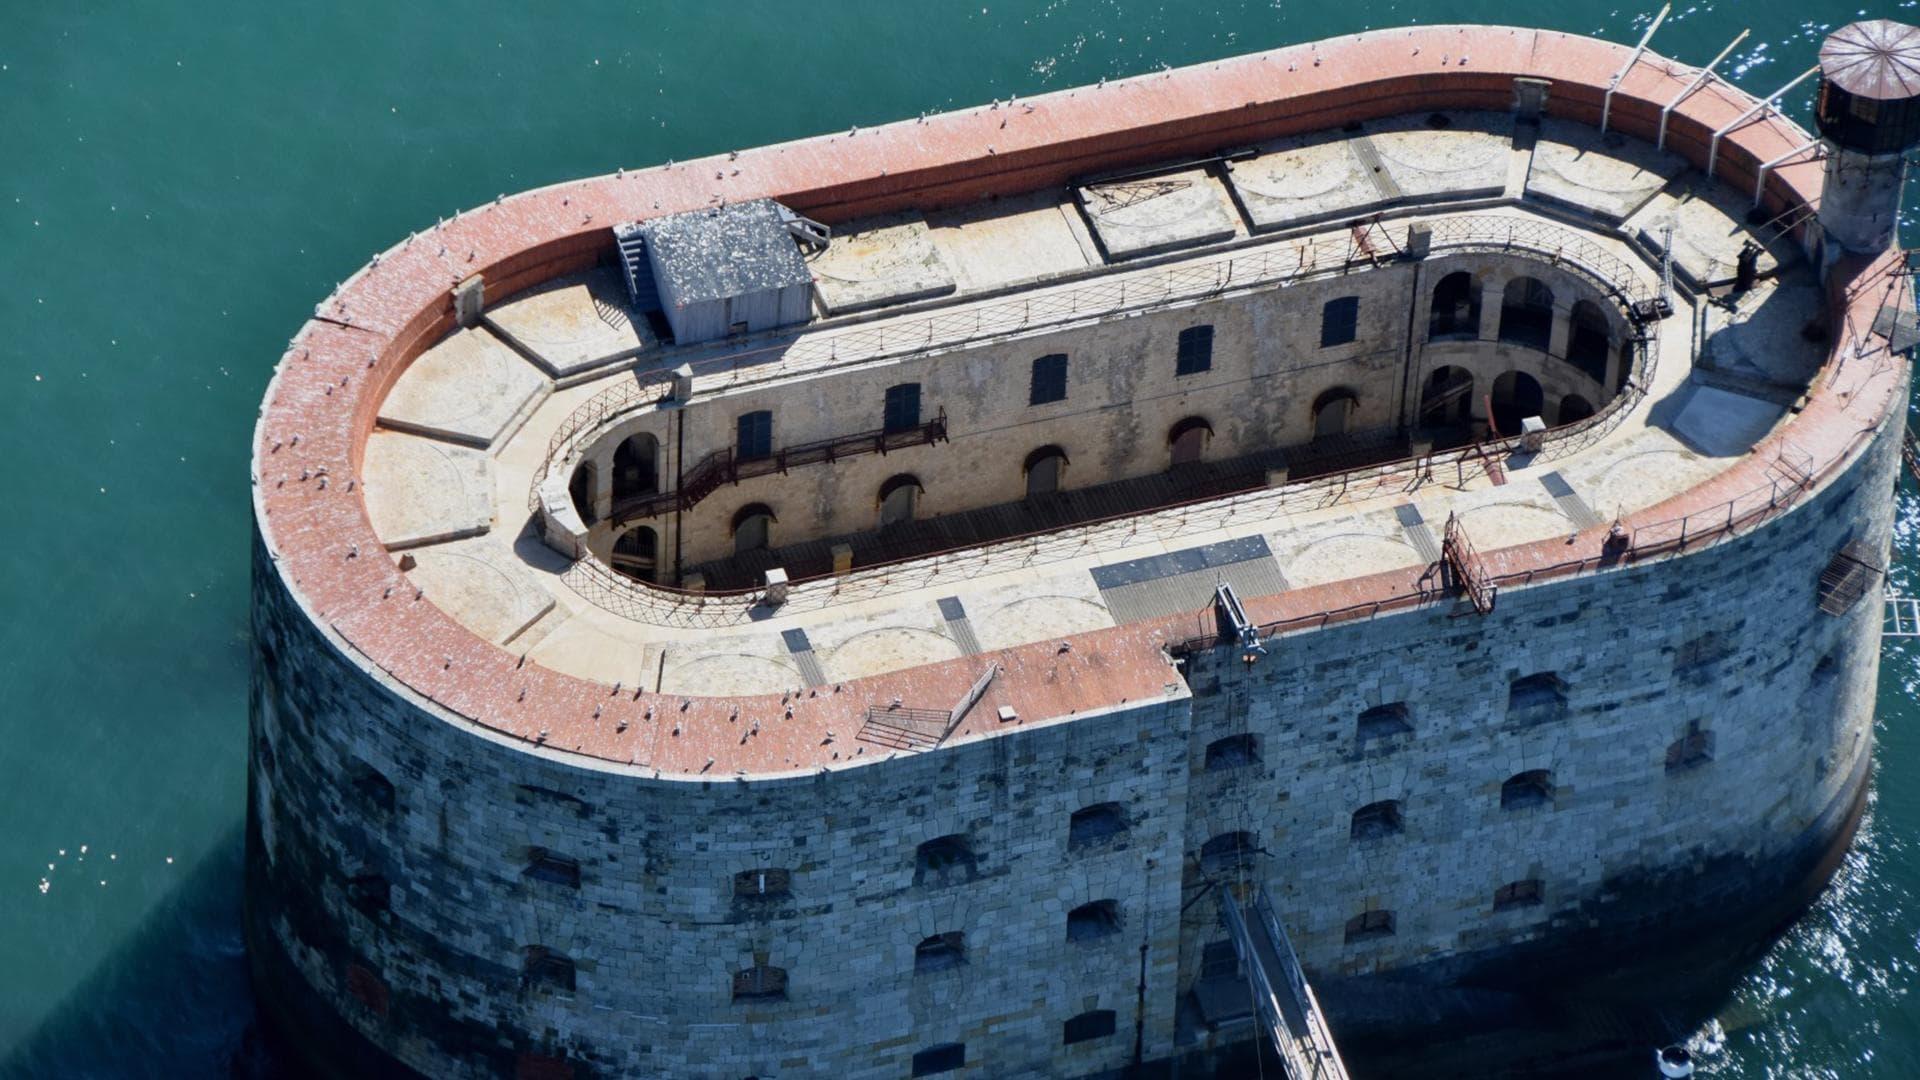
543	967
1536	697
1589	341
1227	851
1091	922
1376	820
752	527
941	952
544	865
1368	925
580	490
1526	313
903	407
369	892
1517	894
945	1057
1456	307
1333	412
761	982
944	861
773	883
1232	752
899	499
1043	468
1218	960
1094	1024
637	553
1339	321
1092	824
1188	439
754	436
1049	380
636	467
1448	397
1528	789
1196	351
1573	409
372	785
1516	395
1382	721
1690	751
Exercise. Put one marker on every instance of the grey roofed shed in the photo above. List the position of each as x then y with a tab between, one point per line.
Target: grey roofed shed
718	268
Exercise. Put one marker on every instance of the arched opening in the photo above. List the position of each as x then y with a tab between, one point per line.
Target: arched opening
636	467
1376	820
1447	398
1456	307
1590	341
1526	313
1227	851
1188	439
751	530
1043	468
580	490
1333	412
1573	409
1528	789
1516	396
636	553
899	497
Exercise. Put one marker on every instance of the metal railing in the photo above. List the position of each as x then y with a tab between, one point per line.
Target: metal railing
1294	1024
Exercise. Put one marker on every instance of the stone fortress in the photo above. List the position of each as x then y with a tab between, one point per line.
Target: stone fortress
979	595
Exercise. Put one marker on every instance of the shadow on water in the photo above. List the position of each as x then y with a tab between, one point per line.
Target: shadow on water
172	1001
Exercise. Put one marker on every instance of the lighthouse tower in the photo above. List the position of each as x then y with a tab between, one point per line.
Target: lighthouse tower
1869	116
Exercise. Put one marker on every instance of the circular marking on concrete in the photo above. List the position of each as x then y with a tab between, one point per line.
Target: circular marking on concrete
889	648
1497	525
1638	481
1306	175
1034	618
729	674
1347	555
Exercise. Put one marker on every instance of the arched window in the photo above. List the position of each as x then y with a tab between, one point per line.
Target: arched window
1333	412
941	952
1456	307
1590	340
1091	922
1382	721
761	982
551	867
1448	397
636	553
751	527
1232	752
1537	698
545	968
1573	409
1043	468
1227	851
898	498
1528	789
1091	824
1188	439
1368	925
1093	1024
636	467
1516	396
580	490
1690	751
944	860
1376	820
1526	313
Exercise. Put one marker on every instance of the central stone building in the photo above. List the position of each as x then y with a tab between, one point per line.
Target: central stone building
976	595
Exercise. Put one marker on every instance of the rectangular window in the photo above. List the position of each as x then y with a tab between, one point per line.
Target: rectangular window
1339	321
1049	379
903	407
755	439
1196	350
945	1057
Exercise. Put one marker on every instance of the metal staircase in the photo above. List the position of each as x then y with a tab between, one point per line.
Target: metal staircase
1284	1004
636	269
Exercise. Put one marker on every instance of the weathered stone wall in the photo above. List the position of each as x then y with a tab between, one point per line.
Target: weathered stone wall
1123	397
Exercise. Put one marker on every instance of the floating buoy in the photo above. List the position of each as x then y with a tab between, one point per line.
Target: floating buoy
1675	1062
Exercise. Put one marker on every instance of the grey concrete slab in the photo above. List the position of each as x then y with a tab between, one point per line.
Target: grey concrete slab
1003	242
482	585
1709	228
1609	175
574	323
423	491
1151	214
1301	180
468	389
1720	423
877	262
1445	155
1743	334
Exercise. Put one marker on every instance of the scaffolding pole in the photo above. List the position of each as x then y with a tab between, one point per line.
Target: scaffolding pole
1760	180
1765	103
1606	107
1705	74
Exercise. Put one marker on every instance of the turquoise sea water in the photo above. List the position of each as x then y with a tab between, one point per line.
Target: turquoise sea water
180	184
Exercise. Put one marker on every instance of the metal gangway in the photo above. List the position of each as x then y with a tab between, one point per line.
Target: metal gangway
1282	1000
1902	617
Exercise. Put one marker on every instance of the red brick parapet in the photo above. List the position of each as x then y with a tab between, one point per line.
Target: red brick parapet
327	389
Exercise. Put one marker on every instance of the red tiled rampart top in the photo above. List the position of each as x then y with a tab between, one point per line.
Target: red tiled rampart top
328	387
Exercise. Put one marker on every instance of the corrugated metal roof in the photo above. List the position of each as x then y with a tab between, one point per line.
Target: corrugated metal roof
725	251
1878	59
